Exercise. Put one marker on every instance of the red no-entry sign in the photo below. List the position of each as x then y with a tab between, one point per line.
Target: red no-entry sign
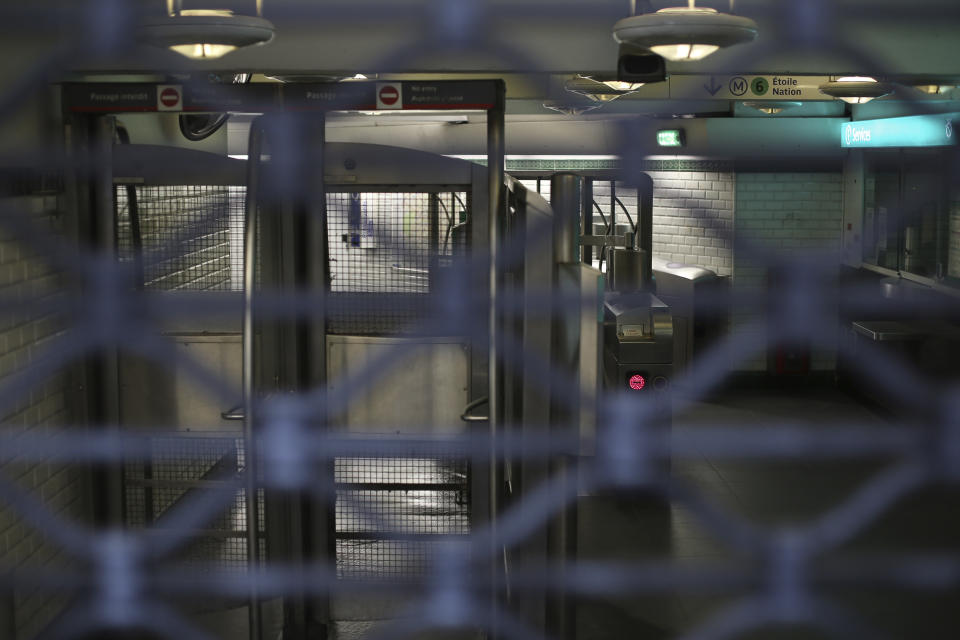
169	98
389	96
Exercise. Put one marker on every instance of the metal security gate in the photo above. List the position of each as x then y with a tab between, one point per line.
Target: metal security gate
784	575
182	235
387	249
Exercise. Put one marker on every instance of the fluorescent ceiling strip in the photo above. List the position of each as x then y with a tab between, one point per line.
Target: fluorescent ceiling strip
526	157
671	157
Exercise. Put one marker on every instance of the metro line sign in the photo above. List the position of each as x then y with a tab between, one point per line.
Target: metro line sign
748	87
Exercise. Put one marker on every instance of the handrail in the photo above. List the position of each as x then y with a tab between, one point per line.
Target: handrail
466	417
602	217
633	224
234	413
255	150
133	211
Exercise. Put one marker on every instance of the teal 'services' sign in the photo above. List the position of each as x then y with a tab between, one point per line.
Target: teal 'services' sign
910	131
670	138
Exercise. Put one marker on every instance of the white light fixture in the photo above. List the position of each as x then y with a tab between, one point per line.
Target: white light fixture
569	109
856	89
204	33
318	78
685	33
935	89
619	85
600	90
312	78
772	107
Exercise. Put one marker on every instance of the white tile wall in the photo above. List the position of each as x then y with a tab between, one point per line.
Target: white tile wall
693	218
791	212
692	215
699	217
22	340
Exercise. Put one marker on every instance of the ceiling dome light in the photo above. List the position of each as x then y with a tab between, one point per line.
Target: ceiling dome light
205	33
856	89
772	107
685	33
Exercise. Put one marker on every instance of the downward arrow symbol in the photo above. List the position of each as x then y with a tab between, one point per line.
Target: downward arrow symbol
713	88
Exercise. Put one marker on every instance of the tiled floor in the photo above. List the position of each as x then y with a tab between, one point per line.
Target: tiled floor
772	495
769	494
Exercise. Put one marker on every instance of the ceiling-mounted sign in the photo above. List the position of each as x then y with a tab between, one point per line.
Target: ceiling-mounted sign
169	97
389	95
100	97
909	131
236	98
454	95
747	87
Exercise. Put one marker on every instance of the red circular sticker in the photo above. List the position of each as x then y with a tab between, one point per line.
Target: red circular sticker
169	97
389	95
637	382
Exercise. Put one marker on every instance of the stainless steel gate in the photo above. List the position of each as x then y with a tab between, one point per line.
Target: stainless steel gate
783	577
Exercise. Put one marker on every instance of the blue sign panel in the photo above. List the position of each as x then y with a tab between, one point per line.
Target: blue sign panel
910	131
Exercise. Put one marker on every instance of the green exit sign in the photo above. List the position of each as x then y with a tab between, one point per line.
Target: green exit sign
670	137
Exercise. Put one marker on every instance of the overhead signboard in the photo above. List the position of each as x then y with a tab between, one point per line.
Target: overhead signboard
98	97
457	95
909	131
746	87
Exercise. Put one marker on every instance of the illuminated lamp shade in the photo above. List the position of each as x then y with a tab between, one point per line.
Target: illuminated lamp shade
569	109
600	90
856	89
935	89
317	78
618	85
637	382
685	33
205	34
772	107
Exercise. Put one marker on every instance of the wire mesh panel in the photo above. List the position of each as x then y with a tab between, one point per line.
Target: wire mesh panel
391	514
190	237
177	471
392	243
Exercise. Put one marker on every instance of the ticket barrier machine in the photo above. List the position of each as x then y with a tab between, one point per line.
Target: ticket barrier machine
638	340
